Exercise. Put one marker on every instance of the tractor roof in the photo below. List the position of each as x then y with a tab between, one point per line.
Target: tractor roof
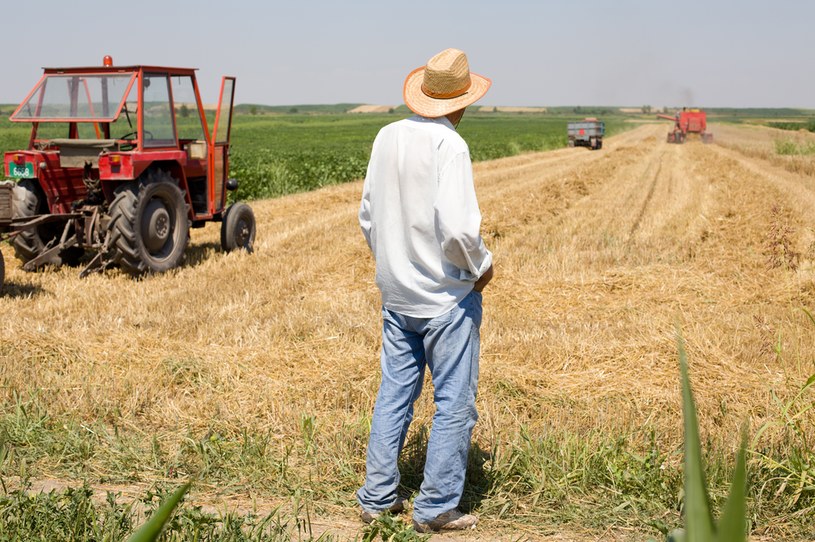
121	69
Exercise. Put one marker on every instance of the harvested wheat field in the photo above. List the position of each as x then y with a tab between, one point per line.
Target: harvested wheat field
258	372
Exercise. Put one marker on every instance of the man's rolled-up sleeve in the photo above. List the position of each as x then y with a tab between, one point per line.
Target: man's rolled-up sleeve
458	219
365	212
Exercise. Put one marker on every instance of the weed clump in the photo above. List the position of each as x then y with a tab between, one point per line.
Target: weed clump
788	147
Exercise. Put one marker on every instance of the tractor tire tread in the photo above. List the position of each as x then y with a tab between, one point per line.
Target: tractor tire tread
123	242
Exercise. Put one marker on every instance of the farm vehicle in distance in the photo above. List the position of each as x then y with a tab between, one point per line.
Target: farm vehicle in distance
688	121
586	133
121	162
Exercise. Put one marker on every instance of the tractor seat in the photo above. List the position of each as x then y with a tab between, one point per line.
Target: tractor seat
76	152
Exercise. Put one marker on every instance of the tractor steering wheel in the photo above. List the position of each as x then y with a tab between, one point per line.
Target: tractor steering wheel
132	135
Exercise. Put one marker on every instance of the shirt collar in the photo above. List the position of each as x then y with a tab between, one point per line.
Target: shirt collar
438	120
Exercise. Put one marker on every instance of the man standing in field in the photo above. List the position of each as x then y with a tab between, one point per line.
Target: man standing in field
421	219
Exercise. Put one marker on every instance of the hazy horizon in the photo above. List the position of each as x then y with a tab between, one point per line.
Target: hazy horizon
630	53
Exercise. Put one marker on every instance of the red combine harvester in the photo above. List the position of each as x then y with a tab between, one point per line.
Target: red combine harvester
122	161
688	121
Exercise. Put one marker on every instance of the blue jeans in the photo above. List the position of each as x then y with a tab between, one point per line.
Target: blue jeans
449	346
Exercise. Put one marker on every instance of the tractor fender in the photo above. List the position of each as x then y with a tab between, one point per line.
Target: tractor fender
171	166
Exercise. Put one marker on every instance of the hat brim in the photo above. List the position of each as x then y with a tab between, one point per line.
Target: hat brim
422	104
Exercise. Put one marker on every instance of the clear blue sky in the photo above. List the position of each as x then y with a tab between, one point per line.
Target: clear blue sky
739	53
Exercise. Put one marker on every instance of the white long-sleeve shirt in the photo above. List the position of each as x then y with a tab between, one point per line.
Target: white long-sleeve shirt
420	216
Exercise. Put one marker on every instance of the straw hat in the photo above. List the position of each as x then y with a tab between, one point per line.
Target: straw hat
444	85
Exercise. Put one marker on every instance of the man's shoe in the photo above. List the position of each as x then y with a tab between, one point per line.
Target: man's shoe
396	508
449	521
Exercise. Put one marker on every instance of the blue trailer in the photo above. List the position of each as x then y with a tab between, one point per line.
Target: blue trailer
586	133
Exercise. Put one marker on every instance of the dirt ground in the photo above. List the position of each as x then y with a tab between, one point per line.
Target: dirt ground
342	525
600	255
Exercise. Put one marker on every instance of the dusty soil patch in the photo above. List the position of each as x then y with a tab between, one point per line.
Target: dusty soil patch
371	109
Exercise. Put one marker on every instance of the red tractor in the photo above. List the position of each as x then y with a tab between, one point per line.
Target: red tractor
688	121
122	161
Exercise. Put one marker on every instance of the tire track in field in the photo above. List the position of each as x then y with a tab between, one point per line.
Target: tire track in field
635	204
623	201
652	185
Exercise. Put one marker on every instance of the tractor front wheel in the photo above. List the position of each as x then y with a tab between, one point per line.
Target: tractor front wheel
238	228
149	228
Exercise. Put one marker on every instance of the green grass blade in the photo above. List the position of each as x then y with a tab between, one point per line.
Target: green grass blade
809	314
733	523
698	519
151	530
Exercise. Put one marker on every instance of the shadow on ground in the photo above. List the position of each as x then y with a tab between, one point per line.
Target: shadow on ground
16	290
478	482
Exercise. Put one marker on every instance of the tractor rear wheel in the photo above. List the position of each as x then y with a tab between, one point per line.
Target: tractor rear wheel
238	228
29	200
149	227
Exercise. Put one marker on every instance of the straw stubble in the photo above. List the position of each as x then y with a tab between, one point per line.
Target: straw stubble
599	256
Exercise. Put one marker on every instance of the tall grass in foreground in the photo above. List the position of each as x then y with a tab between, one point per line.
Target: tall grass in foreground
74	515
152	529
699	524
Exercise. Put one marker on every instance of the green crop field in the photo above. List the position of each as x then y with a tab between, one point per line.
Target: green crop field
275	155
